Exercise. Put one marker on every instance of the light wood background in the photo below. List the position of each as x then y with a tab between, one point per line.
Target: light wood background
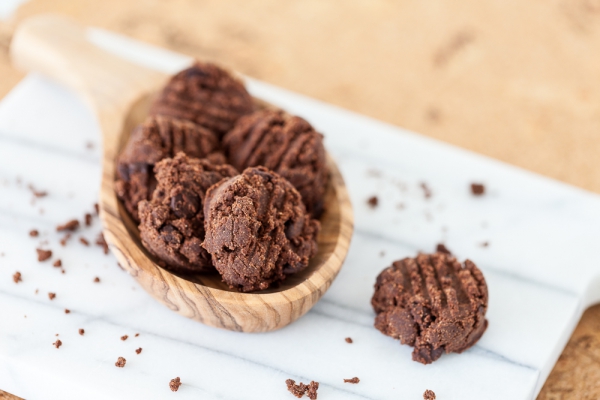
516	80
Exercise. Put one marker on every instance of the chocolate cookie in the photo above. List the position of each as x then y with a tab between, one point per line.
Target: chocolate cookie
433	303
157	138
172	223
206	95
257	229
285	144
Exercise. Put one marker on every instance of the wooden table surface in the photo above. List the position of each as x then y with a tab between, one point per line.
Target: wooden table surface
517	81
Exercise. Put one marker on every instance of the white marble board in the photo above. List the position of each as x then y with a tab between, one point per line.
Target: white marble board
541	265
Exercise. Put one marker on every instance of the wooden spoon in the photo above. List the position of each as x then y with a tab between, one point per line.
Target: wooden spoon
120	93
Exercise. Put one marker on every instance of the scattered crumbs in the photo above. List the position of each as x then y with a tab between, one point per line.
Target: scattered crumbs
56	334
51	295
37	193
124	337
477	189
88	219
34	233
81	331
57	344
84	241
67	311
37	291
64	240
382	253
375	173
96	280
17	277
138	351
57	263
96	208
62	271
120	362
352	380
485	244
174	384
349	340
441	248
43	255
373	201
68	226
429	395
426	190
301	389
137	334
100	241
400	206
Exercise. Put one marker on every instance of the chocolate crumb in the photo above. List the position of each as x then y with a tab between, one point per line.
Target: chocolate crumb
43	255
37	193
64	240
124	337
57	344
84	241
96	280
138	351
477	189
67	311
301	389
100	241
51	295
96	208
120	362
137	334
426	190
352	380
34	233
88	219
69	226
373	201
81	331
429	395
174	384
349	340
37	291
57	264
62	271
17	277
311	392
441	248
485	244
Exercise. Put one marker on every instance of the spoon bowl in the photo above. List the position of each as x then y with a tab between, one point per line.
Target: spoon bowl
120	93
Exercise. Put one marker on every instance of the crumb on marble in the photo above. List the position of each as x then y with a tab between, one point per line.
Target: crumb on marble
137	334
63	241
138	350
84	241
68	226
97	208
174	384
81	331
429	395
426	190
120	362
43	255
67	311
100	241
57	344
96	280
51	295
352	380
301	389
17	277
57	263
124	337
88	219
485	244
477	189
373	201
349	340
34	233
37	193
441	248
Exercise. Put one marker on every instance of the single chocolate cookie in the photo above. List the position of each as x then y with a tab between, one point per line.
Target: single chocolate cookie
257	229
433	303
206	95
172	223
157	138
285	144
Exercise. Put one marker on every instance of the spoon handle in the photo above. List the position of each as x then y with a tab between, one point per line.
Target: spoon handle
57	47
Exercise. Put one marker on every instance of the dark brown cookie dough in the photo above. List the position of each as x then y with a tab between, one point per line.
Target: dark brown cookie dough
157	138
172	222
257	229
206	95
433	303
285	144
